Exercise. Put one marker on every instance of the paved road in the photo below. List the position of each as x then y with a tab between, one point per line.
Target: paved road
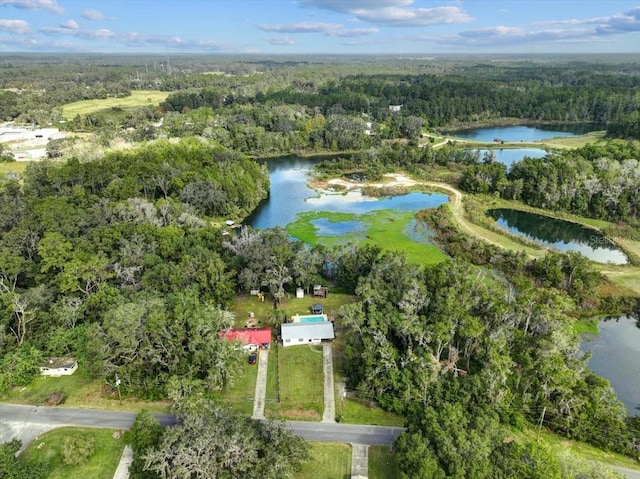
28	422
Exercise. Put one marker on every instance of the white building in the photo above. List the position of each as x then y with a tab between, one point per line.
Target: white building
294	334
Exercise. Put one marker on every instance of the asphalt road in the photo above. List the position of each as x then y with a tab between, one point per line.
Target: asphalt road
29	422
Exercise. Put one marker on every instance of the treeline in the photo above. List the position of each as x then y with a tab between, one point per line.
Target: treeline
598	180
465	356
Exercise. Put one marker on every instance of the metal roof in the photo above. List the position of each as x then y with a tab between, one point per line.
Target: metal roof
320	330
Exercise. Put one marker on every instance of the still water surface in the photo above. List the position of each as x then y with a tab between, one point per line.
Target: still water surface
520	133
616	356
559	234
290	195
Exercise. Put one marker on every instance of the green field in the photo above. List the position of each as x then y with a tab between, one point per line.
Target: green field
102	464
300	382
136	99
241	393
382	464
386	228
16	167
328	461
80	392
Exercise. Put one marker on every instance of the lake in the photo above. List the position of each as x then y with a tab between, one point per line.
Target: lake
559	234
616	357
289	195
521	133
508	156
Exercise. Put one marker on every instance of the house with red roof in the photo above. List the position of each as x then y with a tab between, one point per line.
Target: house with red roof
251	338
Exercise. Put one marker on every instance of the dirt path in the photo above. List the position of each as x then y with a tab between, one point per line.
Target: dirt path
627	278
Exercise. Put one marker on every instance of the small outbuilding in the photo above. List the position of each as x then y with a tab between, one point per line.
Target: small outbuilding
306	333
59	366
317	308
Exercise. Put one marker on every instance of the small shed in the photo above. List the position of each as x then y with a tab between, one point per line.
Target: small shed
59	366
317	308
299	293
319	291
306	333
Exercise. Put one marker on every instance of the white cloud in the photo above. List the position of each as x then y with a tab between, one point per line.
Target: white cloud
49	5
567	31
393	12
87	34
347	6
19	27
301	27
91	14
418	17
280	40
329	29
70	24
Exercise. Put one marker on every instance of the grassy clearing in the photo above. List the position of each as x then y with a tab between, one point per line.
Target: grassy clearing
101	465
16	167
240	395
387	228
136	99
382	464
586	326
80	392
300	381
562	446
329	461
265	314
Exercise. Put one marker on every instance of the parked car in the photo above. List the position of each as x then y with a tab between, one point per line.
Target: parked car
253	358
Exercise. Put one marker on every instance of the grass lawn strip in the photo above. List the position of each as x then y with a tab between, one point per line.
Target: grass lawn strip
328	461
81	393
382	464
301	383
241	393
136	99
102	464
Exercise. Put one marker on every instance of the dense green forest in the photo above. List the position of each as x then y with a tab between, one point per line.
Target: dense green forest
119	253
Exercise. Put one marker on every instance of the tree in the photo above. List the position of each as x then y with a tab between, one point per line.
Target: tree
143	436
77	449
12	468
211	442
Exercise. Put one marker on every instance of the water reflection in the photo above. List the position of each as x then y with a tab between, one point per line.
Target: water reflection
562	235
615	355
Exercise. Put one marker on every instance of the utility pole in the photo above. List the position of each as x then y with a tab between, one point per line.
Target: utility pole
544	410
118	386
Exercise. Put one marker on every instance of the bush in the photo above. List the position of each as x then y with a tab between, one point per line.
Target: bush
78	449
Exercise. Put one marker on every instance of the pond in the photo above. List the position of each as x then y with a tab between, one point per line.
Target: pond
290	195
508	156
615	355
521	133
559	234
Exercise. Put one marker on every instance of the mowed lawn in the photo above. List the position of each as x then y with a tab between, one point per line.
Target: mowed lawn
80	392
328	461
382	464
241	393
136	99
299	383
102	464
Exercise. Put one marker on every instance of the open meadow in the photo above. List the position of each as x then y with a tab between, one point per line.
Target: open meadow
137	98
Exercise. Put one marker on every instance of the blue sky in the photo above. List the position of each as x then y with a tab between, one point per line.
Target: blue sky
320	26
